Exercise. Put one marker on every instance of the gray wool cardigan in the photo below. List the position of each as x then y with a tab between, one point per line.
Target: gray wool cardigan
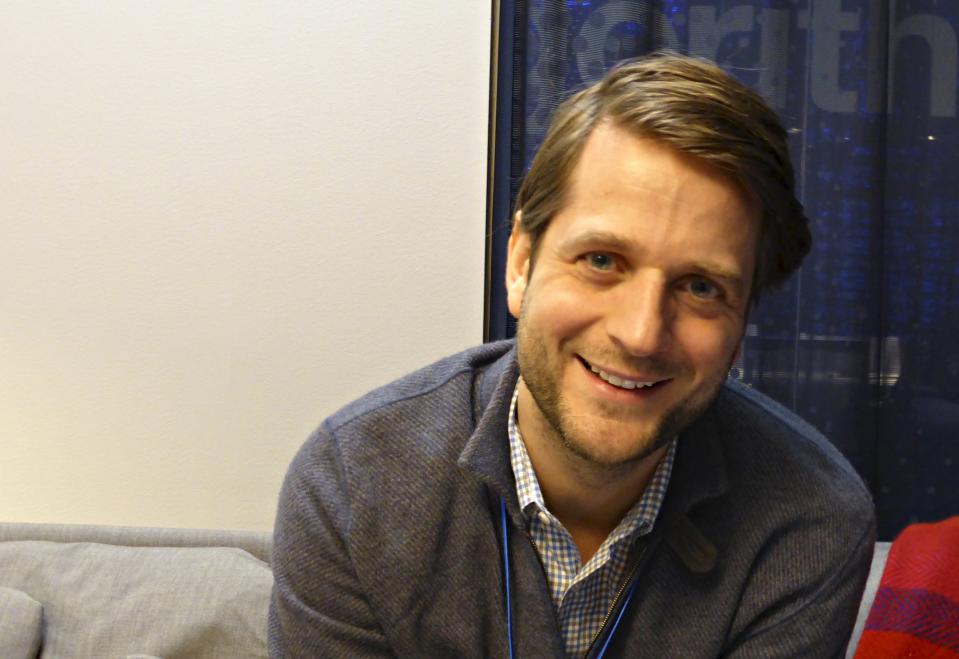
387	542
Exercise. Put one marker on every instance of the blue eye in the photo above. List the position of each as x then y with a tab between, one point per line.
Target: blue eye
600	260
703	288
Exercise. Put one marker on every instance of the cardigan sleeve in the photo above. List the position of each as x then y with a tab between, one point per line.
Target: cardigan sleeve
818	624
318	605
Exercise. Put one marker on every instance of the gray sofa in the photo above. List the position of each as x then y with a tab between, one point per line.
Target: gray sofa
101	591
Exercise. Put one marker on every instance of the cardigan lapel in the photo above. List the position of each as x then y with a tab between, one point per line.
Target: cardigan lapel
699	474
486	453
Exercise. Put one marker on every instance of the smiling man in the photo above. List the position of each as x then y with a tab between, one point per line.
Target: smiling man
631	323
599	488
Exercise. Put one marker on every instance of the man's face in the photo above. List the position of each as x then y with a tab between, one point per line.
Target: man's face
633	313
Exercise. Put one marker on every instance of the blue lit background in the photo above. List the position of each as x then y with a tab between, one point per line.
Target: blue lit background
863	340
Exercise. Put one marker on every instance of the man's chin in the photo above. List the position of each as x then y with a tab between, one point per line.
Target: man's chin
615	454
618	444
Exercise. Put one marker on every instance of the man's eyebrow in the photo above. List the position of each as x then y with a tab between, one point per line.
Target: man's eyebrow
717	270
597	238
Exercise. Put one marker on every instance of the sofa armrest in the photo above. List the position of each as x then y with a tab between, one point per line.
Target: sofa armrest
869	594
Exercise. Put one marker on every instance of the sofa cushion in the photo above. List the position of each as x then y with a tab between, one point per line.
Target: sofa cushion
108	600
21	617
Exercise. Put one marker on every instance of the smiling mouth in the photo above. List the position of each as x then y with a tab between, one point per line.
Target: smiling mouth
618	381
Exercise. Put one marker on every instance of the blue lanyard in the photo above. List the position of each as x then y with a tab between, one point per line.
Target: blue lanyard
509	602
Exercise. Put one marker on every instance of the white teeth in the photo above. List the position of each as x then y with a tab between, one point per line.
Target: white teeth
619	382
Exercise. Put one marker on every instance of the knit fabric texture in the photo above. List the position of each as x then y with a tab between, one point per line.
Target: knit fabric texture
388	539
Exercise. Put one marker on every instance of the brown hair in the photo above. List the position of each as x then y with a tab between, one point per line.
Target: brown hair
694	107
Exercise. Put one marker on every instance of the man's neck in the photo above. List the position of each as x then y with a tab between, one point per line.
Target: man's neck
589	499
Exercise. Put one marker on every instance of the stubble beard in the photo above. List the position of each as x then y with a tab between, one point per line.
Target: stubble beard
542	378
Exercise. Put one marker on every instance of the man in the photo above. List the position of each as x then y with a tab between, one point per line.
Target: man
599	488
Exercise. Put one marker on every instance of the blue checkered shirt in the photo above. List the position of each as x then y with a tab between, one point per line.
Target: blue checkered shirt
582	594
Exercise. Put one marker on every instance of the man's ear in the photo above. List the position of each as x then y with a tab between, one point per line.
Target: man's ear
517	265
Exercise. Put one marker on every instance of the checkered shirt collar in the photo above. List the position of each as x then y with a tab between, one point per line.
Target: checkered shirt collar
640	518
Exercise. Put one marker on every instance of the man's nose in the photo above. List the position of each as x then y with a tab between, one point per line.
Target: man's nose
640	317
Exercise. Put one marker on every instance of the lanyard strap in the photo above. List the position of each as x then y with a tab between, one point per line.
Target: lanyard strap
509	602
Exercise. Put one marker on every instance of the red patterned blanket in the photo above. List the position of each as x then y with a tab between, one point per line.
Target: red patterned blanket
916	610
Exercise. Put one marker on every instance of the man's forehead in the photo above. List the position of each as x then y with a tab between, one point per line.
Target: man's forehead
614	155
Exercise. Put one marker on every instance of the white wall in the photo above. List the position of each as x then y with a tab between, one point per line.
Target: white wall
220	221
